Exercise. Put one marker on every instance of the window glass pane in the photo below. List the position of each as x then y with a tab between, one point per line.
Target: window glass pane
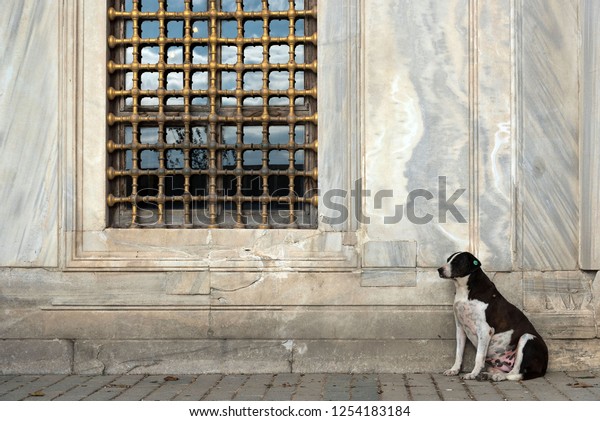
175	29
278	5
150	29
252	5
279	28
150	5
175	55
175	5
200	55
279	54
253	29
200	29
199	5
228	54
253	55
150	55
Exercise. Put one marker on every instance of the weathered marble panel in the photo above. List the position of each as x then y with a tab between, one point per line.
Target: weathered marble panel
390	254
331	289
181	357
388	278
549	147
34	356
402	356
416	122
334	322
188	283
380	356
104	322
28	133
573	354
339	108
438	123
493	136
590	133
558	292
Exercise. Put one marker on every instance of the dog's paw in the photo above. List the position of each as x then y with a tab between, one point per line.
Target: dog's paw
495	377
471	376
451	372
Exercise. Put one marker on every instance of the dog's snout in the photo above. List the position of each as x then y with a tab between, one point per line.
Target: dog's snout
444	271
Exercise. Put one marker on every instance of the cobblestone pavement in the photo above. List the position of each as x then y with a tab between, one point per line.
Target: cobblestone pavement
555	386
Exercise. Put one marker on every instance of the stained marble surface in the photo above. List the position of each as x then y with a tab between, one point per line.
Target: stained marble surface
590	133
549	176
28	133
429	116
416	117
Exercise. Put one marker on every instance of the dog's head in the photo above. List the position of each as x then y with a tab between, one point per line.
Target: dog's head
459	264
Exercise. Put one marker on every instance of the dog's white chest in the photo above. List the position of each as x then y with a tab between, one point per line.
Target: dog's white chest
470	314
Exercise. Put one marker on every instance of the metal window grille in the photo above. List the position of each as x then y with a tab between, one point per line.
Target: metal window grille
212	114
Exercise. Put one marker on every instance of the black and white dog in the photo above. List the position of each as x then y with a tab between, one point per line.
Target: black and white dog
508	345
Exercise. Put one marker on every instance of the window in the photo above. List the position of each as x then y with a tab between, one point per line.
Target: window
212	114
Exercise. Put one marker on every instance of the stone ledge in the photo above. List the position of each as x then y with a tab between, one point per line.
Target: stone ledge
181	356
406	356
30	356
34	356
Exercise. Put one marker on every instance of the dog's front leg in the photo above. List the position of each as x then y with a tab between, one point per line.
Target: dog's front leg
461	339
484	335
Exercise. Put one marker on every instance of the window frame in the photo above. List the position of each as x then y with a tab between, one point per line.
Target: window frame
88	243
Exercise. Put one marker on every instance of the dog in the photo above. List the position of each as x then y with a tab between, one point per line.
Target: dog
508	346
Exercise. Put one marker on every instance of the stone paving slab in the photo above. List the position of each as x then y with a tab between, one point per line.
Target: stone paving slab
199	388
283	387
310	387
88	386
115	388
59	388
365	387
337	387
255	388
35	387
393	387
555	386
227	388
140	390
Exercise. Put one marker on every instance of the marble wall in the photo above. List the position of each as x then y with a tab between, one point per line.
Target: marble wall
461	95
477	104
